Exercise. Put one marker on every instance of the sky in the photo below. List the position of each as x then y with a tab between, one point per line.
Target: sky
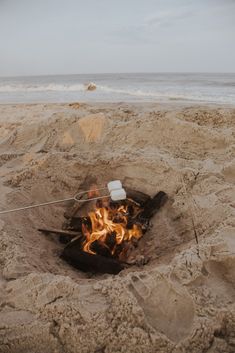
108	36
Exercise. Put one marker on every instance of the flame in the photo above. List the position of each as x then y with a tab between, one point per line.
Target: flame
109	229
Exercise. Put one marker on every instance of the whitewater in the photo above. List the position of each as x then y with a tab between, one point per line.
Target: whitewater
150	87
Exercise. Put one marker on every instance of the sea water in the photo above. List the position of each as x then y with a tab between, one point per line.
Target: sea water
141	87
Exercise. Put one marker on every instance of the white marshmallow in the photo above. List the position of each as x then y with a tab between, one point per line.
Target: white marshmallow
117	195
114	185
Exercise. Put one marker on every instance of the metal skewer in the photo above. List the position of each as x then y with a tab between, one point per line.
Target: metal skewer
116	192
74	198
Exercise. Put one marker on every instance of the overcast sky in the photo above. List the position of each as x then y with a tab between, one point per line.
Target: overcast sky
95	36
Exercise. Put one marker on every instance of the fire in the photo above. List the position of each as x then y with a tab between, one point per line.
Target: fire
110	227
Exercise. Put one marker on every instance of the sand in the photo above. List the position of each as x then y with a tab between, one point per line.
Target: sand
182	300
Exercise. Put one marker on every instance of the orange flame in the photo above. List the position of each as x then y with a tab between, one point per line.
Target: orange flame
109	228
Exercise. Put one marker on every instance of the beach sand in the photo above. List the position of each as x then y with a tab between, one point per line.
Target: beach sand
183	299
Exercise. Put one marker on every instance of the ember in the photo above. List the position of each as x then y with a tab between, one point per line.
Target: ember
101	241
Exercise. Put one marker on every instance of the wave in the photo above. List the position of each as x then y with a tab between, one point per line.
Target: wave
52	87
7	88
107	91
165	96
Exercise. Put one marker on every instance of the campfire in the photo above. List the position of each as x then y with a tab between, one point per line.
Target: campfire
109	227
103	239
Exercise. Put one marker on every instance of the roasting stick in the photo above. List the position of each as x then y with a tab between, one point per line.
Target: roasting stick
114	187
75	198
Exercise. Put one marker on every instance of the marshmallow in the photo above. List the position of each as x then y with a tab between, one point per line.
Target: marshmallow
117	195
114	185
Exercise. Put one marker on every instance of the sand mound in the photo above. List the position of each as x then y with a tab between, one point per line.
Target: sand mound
183	299
88	129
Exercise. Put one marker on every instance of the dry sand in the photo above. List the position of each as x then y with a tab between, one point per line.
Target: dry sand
183	299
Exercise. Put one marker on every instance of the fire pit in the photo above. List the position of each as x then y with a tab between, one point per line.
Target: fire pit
102	240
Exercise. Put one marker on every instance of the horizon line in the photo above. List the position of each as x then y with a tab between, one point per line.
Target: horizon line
122	73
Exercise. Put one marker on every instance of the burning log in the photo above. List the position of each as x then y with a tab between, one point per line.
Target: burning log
111	241
101	249
89	262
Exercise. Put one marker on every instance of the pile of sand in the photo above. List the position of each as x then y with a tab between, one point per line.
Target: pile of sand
183	299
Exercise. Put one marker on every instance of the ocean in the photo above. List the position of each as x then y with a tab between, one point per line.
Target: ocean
150	87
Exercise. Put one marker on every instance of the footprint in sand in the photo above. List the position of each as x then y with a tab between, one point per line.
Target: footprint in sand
168	307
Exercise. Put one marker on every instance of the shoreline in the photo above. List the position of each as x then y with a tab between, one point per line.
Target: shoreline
173	102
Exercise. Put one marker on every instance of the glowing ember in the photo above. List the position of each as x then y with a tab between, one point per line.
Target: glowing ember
110	227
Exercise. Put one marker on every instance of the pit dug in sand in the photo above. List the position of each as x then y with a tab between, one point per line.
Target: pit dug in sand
103	240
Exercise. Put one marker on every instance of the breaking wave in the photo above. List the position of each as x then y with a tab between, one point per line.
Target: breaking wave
71	90
163	95
53	87
7	88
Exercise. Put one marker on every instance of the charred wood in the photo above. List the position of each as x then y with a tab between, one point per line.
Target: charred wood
75	223
87	262
137	196
111	240
152	206
100	249
59	232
